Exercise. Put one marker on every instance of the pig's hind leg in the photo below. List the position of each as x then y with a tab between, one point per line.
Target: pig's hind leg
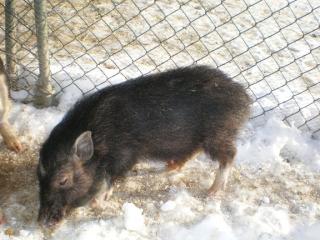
225	154
178	164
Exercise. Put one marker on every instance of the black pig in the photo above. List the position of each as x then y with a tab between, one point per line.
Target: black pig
167	116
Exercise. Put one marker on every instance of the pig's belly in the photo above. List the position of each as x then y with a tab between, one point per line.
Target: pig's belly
172	145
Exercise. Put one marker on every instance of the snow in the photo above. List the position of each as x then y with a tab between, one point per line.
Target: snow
168	206
133	218
275	142
311	232
34	124
273	192
211	227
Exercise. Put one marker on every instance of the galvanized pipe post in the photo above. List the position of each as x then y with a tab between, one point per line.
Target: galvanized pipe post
10	42
44	90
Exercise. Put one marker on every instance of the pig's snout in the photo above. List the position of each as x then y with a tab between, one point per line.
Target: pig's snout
50	217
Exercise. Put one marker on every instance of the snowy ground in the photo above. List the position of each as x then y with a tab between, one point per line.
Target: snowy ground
273	192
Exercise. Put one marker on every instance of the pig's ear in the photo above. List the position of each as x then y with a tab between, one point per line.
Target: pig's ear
83	146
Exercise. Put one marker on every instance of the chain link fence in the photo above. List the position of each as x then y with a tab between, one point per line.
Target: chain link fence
272	47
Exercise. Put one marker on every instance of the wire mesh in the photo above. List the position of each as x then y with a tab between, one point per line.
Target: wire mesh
272	47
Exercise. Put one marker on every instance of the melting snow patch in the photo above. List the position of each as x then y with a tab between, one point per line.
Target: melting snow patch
274	143
308	232
211	227
133	218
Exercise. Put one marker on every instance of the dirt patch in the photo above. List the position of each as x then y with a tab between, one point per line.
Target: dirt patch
17	171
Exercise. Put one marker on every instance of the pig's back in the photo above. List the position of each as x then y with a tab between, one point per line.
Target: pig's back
170	111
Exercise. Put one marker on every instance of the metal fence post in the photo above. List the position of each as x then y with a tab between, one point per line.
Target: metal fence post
10	42
44	90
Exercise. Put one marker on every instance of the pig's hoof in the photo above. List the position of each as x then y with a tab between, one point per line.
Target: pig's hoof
14	144
108	194
214	191
2	218
95	204
100	201
173	165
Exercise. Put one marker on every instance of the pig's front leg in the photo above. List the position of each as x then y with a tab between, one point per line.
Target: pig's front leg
2	218
99	200
108	187
104	194
121	161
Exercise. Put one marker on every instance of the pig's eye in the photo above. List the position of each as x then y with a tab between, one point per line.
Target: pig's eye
63	182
